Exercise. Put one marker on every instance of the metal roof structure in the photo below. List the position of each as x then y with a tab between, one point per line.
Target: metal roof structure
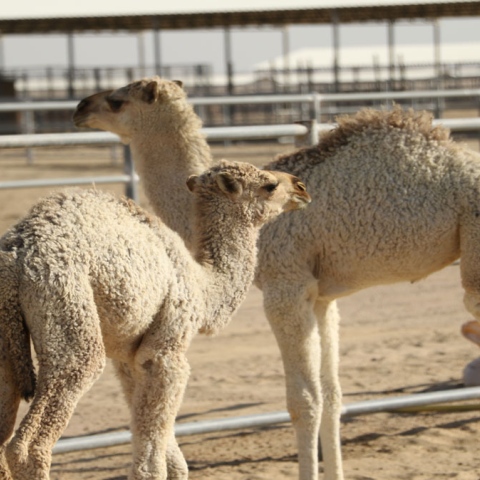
50	16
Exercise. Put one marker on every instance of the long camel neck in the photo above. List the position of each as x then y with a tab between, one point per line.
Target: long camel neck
164	158
227	252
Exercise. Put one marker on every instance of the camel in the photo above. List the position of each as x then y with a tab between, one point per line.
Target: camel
394	199
88	276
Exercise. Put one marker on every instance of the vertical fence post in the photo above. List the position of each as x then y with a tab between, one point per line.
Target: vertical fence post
29	127
131	188
310	137
317	107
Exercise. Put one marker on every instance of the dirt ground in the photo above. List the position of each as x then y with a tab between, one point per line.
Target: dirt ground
395	340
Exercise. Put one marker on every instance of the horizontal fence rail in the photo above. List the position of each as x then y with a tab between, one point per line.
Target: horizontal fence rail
23	106
298	131
274	418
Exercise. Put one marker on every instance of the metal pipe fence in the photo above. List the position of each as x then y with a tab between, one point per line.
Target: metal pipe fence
304	134
315	100
267	419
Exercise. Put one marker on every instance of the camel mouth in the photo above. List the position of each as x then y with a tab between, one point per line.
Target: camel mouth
80	120
298	202
303	199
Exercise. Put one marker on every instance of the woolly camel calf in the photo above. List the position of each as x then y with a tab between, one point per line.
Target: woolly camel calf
89	276
394	200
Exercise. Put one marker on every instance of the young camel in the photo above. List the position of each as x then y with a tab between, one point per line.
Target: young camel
394	200
89	276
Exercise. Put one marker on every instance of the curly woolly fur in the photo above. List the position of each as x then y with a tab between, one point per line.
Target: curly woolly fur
91	276
394	199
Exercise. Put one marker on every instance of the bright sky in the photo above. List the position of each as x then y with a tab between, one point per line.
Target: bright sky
250	45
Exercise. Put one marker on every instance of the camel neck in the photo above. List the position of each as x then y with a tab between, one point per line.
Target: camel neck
164	161
227	252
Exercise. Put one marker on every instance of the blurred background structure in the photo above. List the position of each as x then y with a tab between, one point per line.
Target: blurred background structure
331	67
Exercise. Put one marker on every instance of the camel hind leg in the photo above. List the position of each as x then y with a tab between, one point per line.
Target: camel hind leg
470	267
328	318
70	351
9	402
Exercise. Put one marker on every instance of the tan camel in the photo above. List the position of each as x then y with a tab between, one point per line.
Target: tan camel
89	276
394	199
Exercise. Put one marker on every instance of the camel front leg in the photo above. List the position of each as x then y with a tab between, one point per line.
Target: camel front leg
177	468
328	319
289	309
161	376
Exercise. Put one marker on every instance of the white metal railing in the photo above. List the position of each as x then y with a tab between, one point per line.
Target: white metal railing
316	99
265	419
306	134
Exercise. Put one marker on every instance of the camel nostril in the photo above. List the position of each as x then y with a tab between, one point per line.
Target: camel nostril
82	105
301	186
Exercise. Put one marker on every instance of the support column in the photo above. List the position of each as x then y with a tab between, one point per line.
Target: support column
391	54
438	66
228	109
228	60
141	53
286	58
2	54
437	52
157	51
71	65
336	50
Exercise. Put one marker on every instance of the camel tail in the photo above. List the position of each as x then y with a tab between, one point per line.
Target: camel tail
16	354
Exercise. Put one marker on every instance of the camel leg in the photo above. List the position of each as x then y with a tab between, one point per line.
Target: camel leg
177	468
290	311
71	356
470	267
9	402
328	318
161	374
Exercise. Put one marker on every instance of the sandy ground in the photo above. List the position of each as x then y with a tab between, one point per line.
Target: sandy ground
395	340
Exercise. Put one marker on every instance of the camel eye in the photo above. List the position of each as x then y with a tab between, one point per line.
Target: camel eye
115	105
301	186
270	187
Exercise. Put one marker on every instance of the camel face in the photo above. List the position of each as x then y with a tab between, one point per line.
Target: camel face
270	192
129	109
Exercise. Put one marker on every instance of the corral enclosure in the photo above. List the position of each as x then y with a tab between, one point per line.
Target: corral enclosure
395	340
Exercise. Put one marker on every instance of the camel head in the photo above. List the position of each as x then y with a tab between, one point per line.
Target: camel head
130	109
258	195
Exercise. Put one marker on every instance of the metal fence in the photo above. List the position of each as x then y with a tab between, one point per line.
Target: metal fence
311	106
267	419
302	134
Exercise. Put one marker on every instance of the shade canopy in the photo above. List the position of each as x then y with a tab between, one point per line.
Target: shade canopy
50	16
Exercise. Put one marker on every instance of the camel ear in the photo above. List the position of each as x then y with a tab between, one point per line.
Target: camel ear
178	82
150	92
228	184
192	182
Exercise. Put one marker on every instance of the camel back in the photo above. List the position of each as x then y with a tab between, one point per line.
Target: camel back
351	126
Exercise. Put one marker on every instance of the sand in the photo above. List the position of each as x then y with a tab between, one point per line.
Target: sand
395	340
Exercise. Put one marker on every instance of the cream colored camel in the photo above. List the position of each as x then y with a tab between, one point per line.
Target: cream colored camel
394	199
89	277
